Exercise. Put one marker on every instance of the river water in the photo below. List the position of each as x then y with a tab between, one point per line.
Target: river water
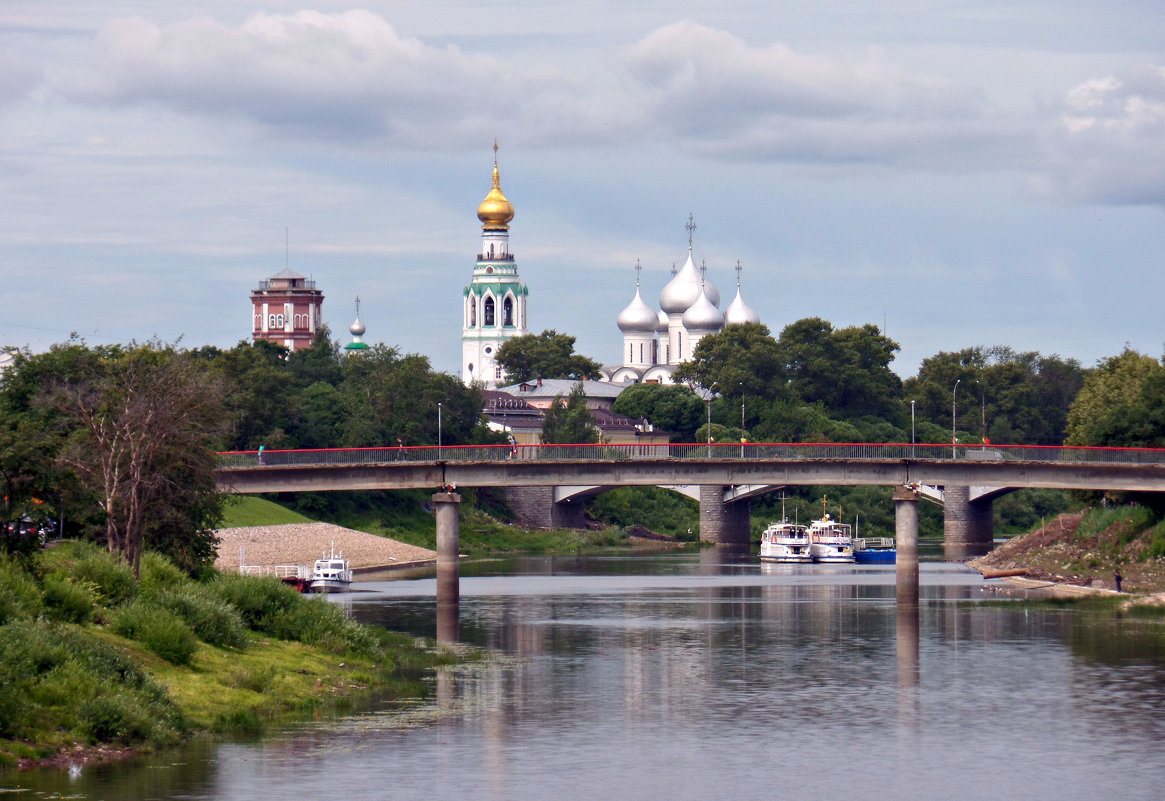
711	676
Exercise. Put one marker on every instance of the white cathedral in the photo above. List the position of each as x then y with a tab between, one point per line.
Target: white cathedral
654	342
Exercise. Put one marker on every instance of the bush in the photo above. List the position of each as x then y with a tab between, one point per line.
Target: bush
20	598
84	561
260	600
160	630
272	607
158	573
60	679
212	619
316	622
67	600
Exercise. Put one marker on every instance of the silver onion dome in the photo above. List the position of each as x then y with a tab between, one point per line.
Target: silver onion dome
637	317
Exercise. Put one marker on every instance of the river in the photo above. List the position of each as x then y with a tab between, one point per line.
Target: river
707	676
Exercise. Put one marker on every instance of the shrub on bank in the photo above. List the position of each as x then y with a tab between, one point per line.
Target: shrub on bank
20	598
59	679
67	600
158	629
212	619
112	579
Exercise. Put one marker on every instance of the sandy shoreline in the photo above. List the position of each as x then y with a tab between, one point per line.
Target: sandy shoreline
303	543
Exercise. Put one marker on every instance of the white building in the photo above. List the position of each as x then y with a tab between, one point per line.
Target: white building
495	299
656	342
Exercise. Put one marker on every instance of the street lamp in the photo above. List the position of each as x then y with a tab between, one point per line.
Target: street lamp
954	415
982	408
741	419
708	403
911	429
438	432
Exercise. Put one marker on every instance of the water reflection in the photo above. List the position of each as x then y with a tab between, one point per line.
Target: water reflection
680	676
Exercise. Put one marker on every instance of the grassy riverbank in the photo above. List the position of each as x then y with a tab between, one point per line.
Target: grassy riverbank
95	664
403	516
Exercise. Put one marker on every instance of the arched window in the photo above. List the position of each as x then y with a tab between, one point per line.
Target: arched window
630	352
489	311
508	311
472	311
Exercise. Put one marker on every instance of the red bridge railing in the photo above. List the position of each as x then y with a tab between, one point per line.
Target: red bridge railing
720	451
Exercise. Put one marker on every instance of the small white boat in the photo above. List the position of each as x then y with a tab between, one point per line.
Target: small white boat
785	542
331	573
830	541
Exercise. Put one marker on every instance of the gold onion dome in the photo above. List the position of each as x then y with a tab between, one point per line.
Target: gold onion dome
495	211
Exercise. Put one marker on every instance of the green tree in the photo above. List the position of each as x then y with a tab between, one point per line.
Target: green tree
1003	395
569	423
670	407
740	360
1122	403
546	355
847	370
145	426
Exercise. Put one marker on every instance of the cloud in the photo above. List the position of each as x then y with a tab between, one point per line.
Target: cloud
729	99
347	75
351	76
1107	145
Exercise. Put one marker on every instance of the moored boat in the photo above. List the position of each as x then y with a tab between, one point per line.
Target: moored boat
785	542
830	541
875	550
331	573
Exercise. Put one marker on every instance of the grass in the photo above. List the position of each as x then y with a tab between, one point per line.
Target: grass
242	511
83	662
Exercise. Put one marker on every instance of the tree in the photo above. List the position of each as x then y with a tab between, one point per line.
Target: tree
571	423
740	360
1122	403
546	355
146	425
671	407
846	370
1003	395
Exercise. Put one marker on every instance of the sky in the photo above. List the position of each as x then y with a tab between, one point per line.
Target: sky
985	172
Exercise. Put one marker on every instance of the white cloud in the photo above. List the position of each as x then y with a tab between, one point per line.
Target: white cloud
347	75
1109	143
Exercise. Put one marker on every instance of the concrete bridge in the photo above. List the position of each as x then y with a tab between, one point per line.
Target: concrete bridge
545	481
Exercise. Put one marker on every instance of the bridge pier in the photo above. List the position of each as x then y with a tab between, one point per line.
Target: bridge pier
968	526
906	543
723	523
446	506
535	506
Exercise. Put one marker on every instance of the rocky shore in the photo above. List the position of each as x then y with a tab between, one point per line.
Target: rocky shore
1053	560
303	543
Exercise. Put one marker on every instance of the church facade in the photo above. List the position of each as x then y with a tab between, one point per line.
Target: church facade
494	301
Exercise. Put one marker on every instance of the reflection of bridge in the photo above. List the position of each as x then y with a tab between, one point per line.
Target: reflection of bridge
543	480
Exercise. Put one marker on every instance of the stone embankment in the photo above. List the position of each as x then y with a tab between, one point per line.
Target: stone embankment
303	543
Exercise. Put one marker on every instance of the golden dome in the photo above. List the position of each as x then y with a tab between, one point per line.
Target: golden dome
495	211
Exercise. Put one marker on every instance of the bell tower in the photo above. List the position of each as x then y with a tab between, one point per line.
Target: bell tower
494	301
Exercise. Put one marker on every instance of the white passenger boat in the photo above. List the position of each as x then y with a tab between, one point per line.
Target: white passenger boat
331	573
785	542
830	541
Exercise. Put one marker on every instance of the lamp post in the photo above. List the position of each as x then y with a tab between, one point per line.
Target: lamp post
741	419
708	428
911	429
438	432
954	415
982	409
